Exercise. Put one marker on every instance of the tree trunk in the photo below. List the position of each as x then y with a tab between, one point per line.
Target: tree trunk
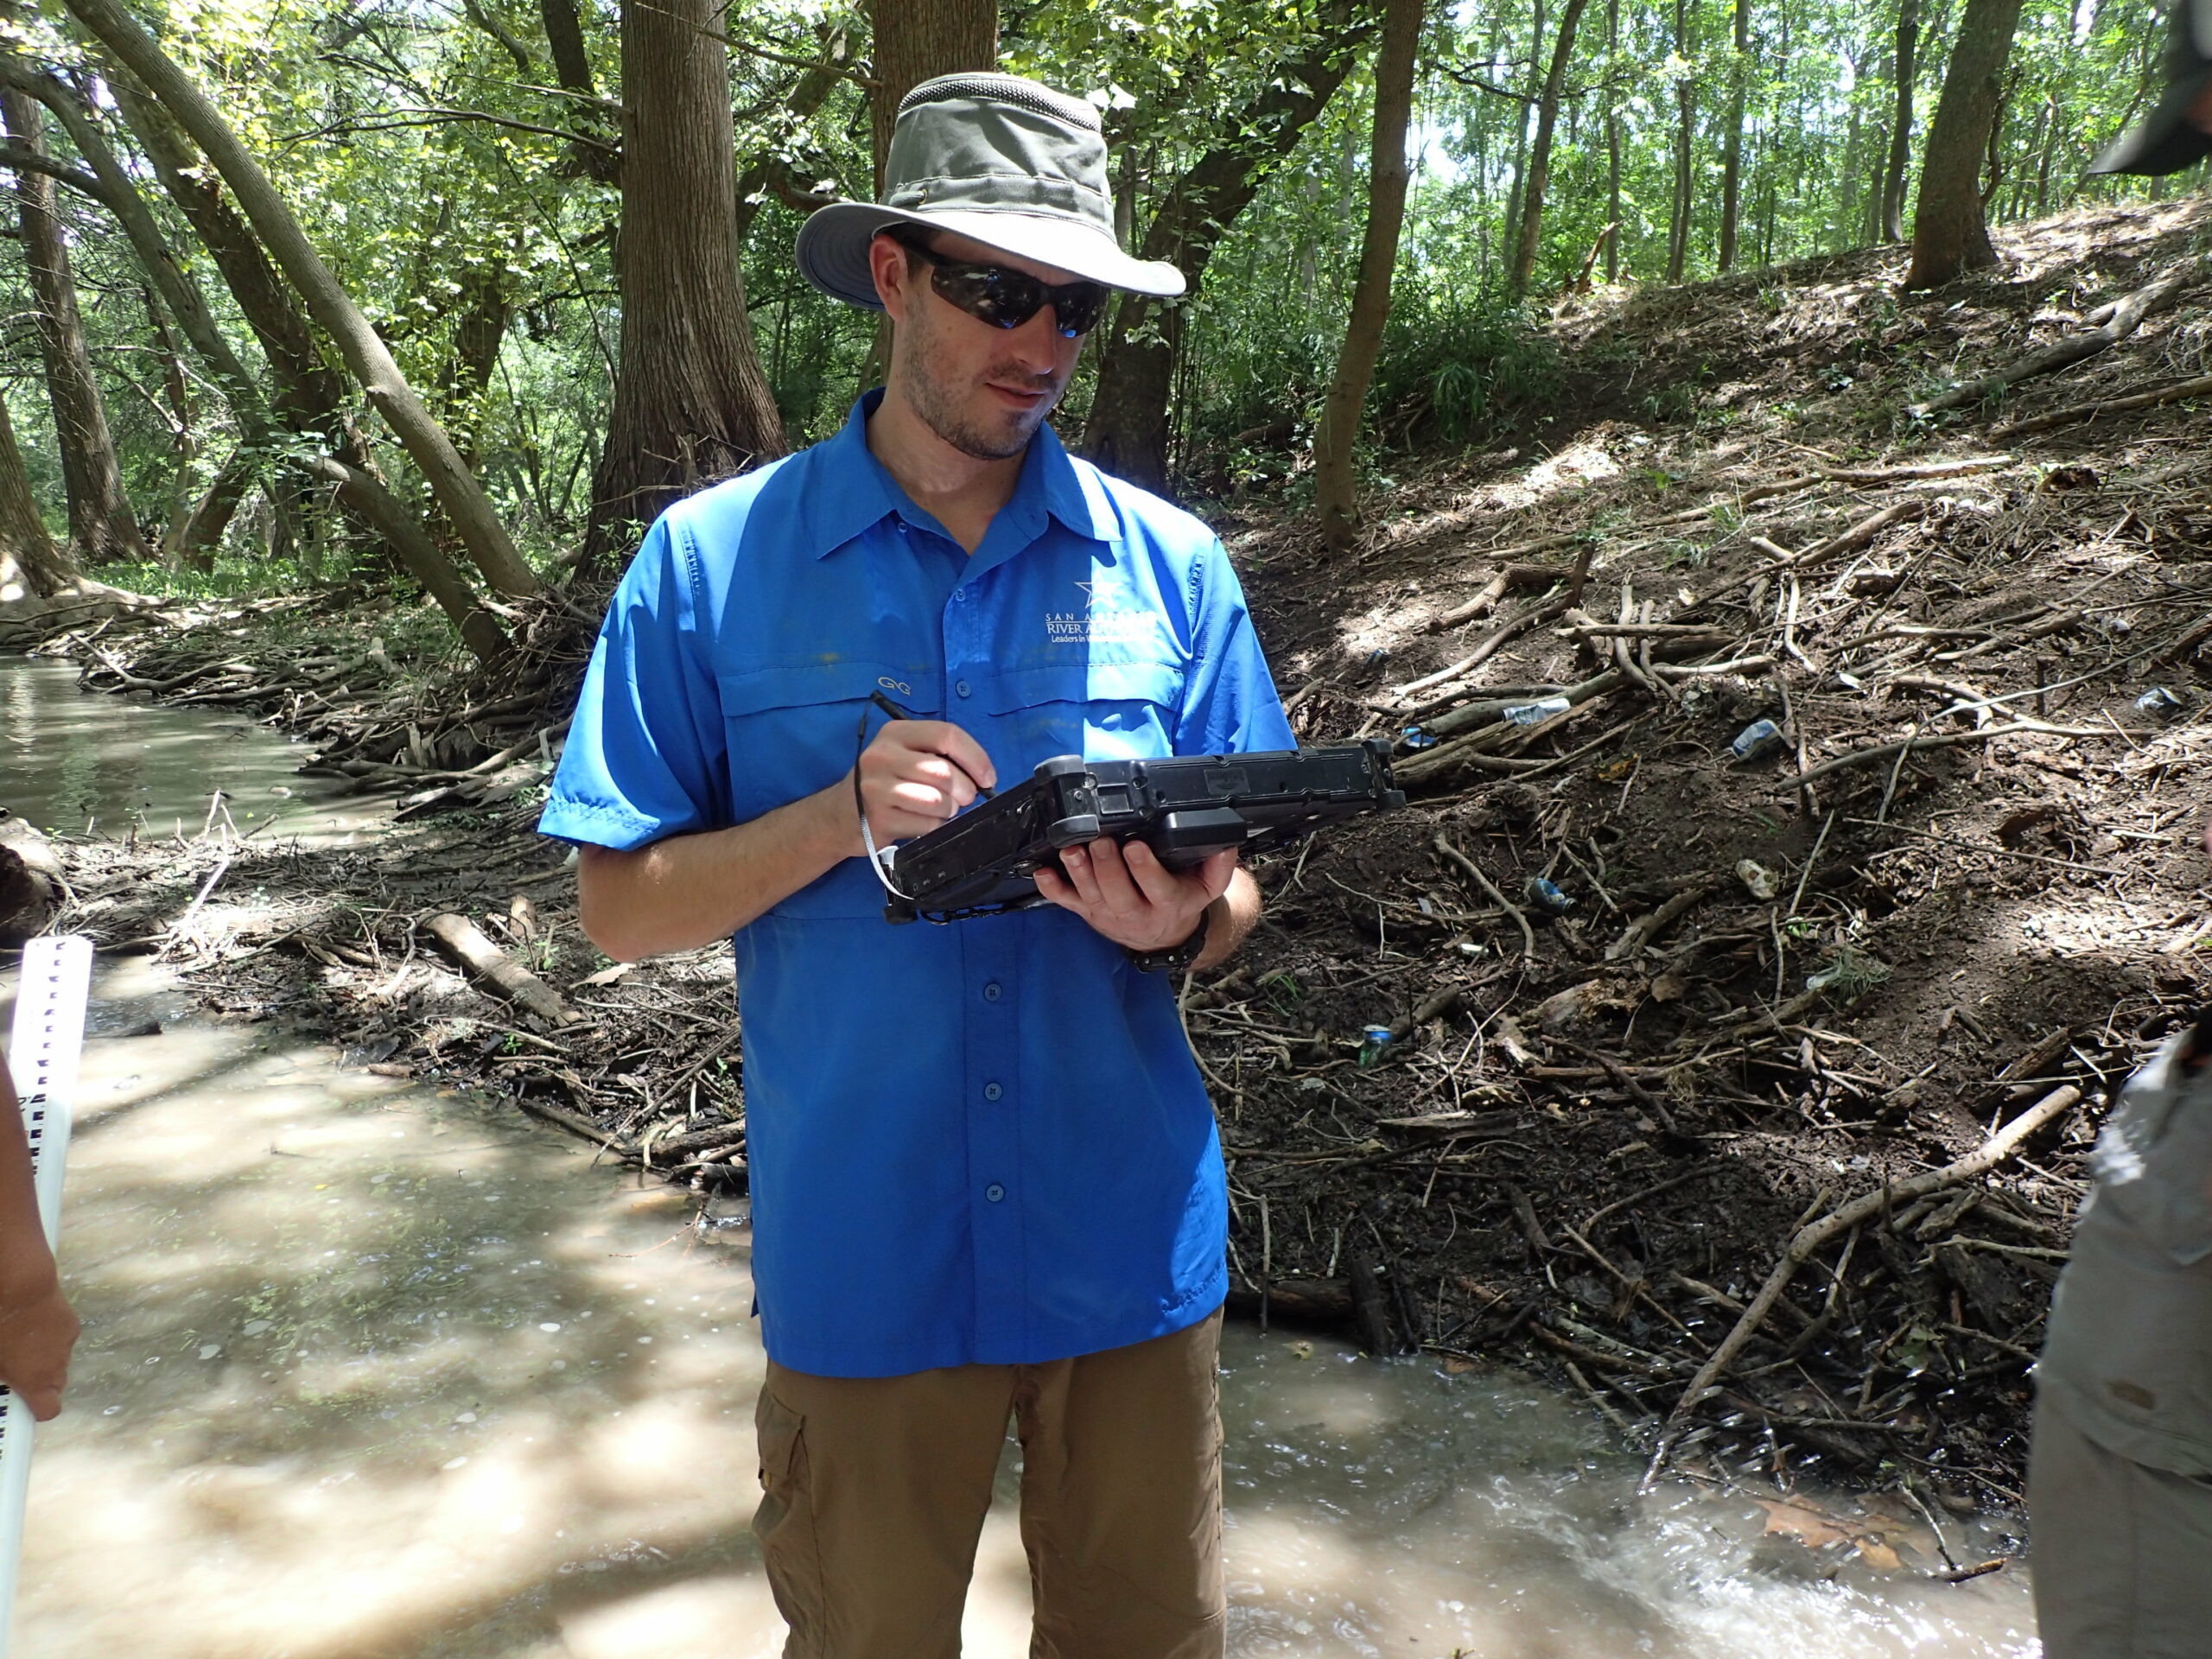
1540	157
914	40
1612	140
1732	163
1126	432
564	35
479	327
1900	156
369	497
1516	193
1678	223
31	566
443	468
692	404
100	520
1950	234
1335	482
113	187
201	537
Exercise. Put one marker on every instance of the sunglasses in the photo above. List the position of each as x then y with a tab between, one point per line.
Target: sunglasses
1006	298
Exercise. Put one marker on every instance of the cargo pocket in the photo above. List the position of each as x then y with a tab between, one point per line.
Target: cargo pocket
784	1524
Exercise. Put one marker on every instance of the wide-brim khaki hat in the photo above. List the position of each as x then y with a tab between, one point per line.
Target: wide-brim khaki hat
1011	163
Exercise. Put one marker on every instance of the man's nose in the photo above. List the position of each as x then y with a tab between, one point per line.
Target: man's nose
1037	342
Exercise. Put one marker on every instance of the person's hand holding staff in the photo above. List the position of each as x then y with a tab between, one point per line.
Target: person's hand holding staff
37	1327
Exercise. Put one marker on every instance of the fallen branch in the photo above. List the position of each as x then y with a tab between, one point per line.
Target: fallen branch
1810	1238
466	943
2199	387
1945	739
1509	578
2126	316
1644	929
1443	844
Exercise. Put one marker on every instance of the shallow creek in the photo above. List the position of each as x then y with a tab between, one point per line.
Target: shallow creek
377	1370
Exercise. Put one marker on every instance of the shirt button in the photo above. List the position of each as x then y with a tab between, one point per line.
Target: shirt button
991	992
992	1091
960	688
995	1191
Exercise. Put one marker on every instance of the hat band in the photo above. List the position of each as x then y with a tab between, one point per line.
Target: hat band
1003	193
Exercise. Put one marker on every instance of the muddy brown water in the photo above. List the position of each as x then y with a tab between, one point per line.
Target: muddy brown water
373	1369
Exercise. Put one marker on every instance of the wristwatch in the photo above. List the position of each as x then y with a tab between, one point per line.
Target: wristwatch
1174	956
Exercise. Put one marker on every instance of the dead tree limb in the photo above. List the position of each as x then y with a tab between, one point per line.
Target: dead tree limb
1810	1239
468	945
2127	315
2199	387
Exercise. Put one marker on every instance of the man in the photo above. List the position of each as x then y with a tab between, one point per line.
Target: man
2178	133
985	1174
2119	1480
37	1329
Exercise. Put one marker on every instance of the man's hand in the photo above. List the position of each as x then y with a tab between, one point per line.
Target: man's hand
916	774
1128	895
37	1331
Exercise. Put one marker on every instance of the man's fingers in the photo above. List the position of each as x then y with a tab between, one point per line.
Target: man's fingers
1217	872
941	737
1159	885
1077	861
1116	890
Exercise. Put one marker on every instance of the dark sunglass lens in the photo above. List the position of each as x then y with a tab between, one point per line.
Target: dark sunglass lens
1076	307
1004	299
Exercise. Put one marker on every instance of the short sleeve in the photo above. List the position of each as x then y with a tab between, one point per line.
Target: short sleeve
1229	704
644	757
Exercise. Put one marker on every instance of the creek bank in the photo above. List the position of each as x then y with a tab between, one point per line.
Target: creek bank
1747	1097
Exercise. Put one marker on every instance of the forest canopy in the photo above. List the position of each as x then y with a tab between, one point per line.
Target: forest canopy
554	238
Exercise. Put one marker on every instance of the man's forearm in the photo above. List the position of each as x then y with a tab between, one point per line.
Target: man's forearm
1230	919
692	890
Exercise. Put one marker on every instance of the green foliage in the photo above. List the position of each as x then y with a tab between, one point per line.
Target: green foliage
451	184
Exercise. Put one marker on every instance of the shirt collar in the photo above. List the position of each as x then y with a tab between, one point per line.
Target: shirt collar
1051	483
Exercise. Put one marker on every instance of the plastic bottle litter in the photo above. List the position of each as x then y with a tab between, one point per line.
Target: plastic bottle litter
1757	880
1373	1039
1529	714
1417	738
1760	737
1548	898
2160	702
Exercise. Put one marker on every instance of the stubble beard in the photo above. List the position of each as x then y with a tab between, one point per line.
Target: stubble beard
949	407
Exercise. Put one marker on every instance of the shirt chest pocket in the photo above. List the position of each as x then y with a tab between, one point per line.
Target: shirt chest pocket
792	731
1102	711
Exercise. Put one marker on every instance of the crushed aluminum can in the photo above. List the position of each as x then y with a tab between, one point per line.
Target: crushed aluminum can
1532	713
1417	739
2160	702
1761	737
1547	897
1758	881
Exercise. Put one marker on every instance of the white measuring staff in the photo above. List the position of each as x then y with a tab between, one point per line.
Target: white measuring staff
43	1056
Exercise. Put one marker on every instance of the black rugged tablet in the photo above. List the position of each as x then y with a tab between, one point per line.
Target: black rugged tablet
1184	808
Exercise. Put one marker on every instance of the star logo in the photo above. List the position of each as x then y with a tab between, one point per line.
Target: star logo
1088	590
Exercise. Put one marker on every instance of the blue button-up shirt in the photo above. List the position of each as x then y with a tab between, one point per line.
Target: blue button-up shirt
986	1142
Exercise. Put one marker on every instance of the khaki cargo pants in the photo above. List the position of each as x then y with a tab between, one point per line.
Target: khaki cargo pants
875	1491
2121	1552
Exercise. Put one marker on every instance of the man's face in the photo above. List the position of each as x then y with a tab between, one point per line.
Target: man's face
984	390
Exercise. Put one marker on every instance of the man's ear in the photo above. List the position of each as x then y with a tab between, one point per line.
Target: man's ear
888	263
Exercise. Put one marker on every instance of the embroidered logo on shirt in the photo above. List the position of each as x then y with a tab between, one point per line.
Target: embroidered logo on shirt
1092	624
